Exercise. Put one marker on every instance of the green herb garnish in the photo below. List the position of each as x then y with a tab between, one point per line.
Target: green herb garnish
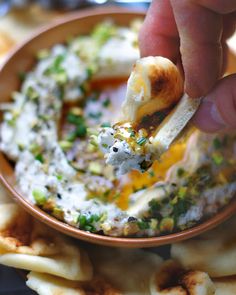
217	143
182	192
151	173
59	177
39	157
103	32
32	94
106	125
39	196
141	140
95	168
42	54
217	159
180	172
65	145
143	224
87	222
95	115
80	123
106	102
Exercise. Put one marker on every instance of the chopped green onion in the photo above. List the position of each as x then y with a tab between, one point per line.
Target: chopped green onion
90	72
103	32
60	77
21	146
106	102
141	141
76	111
82	220
11	122
92	131
39	196
94	140
42	54
74	119
217	143
32	93
106	125
65	145
153	223
143	225
132	134
58	61
95	115
35	148
59	177
151	173
182	192
81	131
131	131
217	159
95	168
39	157
180	172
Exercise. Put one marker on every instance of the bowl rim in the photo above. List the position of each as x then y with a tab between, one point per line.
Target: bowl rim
67	229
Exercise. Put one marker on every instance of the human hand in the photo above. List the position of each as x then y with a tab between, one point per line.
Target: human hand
193	33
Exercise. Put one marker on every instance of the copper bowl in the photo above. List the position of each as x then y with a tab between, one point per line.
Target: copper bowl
22	59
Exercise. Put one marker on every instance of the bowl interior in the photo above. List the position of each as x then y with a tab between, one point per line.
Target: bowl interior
21	60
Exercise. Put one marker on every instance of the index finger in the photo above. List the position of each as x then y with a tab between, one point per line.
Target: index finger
159	35
200	31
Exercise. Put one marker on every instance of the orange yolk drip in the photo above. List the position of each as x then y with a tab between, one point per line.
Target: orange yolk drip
157	172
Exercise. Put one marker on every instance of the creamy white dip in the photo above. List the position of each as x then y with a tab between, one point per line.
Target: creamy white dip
67	176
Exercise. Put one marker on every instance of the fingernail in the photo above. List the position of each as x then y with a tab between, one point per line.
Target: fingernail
208	117
216	116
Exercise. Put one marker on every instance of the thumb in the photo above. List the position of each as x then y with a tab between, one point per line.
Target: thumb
218	109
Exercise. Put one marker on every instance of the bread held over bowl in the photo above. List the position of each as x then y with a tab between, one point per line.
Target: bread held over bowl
154	112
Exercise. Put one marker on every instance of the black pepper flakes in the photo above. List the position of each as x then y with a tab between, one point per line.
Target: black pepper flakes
59	196
131	219
115	149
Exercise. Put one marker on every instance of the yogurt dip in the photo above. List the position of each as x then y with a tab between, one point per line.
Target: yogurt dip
50	131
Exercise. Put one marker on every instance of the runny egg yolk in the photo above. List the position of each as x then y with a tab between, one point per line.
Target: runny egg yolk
157	172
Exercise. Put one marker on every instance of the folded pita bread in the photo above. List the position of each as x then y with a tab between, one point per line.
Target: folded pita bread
45	284
213	252
128	270
27	244
172	279
72	266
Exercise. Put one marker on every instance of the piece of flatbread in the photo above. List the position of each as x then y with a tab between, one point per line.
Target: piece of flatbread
225	286
28	244
172	279
128	270
45	284
213	252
